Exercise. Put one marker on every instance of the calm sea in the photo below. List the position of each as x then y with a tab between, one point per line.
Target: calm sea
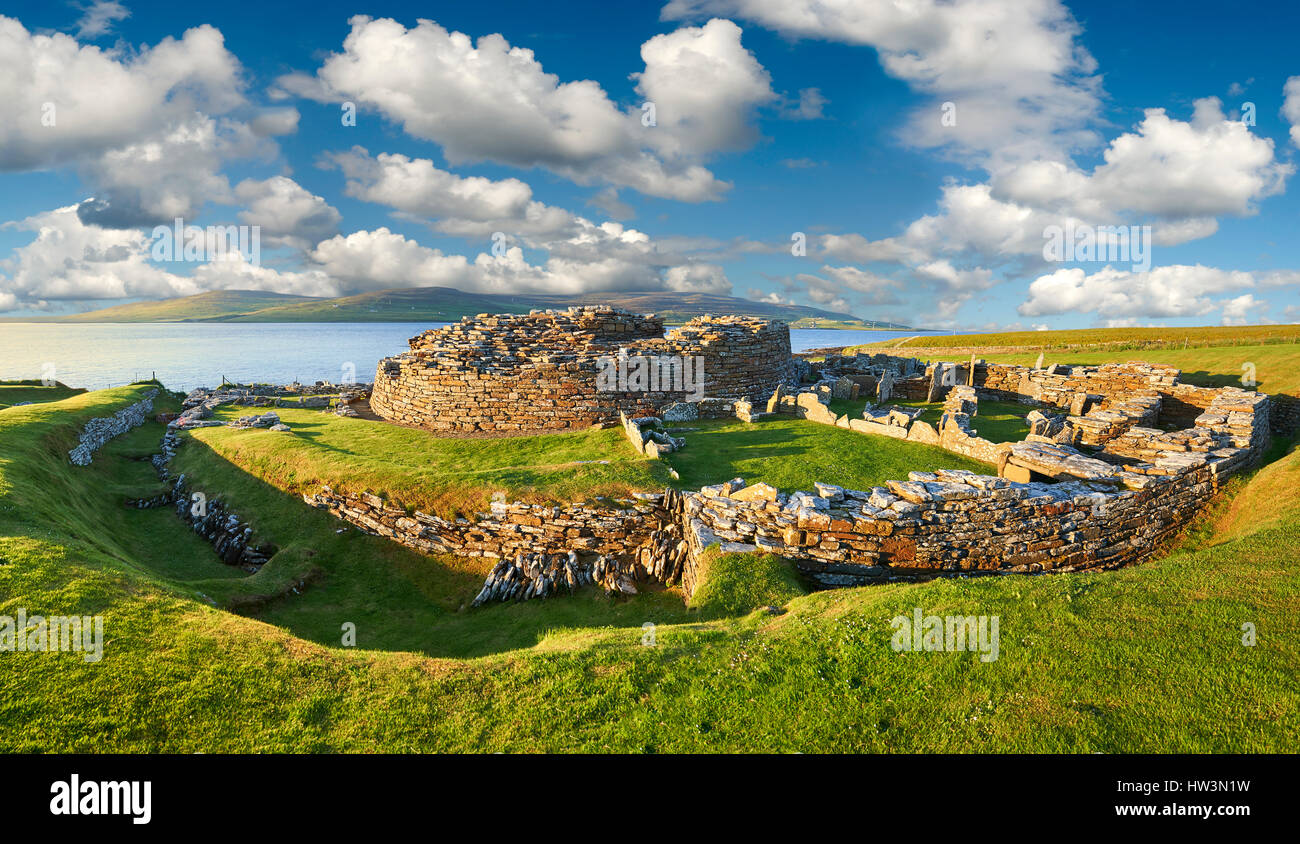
188	355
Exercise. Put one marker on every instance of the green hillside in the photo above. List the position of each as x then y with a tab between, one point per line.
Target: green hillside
444	304
215	305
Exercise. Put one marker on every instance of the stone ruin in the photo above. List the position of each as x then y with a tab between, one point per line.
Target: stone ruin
1118	460
515	373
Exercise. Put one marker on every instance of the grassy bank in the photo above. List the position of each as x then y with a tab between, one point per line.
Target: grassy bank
1143	659
435	474
32	392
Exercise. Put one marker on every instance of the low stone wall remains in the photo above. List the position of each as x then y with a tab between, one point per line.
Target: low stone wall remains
99	431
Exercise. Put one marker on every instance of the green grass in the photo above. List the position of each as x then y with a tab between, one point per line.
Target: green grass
1277	368
417	469
1276	365
736	584
996	421
1142	659
790	454
1108	338
17	392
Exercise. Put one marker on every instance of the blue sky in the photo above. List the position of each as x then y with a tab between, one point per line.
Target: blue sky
772	117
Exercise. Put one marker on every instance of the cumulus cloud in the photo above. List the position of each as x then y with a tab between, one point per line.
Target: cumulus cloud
372	260
70	260
275	121
1022	84
159	178
100	100
1177	176
1291	107
1170	291
809	106
288	214
697	278
464	205
489	101
705	87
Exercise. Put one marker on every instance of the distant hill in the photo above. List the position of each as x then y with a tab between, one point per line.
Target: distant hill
444	304
216	305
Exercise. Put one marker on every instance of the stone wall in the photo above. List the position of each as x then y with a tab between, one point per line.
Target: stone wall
99	431
540	548
956	522
1051	507
231	537
539	371
1285	417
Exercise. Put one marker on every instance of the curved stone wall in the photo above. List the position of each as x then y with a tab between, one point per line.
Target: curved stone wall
539	371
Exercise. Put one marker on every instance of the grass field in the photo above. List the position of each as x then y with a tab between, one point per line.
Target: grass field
1113	339
18	392
1276	367
791	454
996	421
438	475
1148	658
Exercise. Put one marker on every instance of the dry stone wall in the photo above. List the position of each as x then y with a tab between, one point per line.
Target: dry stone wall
539	371
100	430
541	549
1051	507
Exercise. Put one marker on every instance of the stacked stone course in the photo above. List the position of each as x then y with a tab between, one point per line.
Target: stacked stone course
512	372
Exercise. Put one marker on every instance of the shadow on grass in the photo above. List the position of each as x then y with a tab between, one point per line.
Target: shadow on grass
396	598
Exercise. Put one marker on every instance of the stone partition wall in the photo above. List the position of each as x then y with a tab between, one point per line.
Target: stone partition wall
539	371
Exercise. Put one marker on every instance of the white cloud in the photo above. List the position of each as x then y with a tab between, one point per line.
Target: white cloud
809	106
99	17
698	278
489	101
1170	291
275	121
1022	84
705	86
172	174
771	297
470	206
102	99
1291	107
371	260
1177	176
1204	167
1238	311
287	212
69	260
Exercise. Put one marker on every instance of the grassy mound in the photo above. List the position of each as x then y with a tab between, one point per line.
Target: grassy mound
1149	658
735	584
